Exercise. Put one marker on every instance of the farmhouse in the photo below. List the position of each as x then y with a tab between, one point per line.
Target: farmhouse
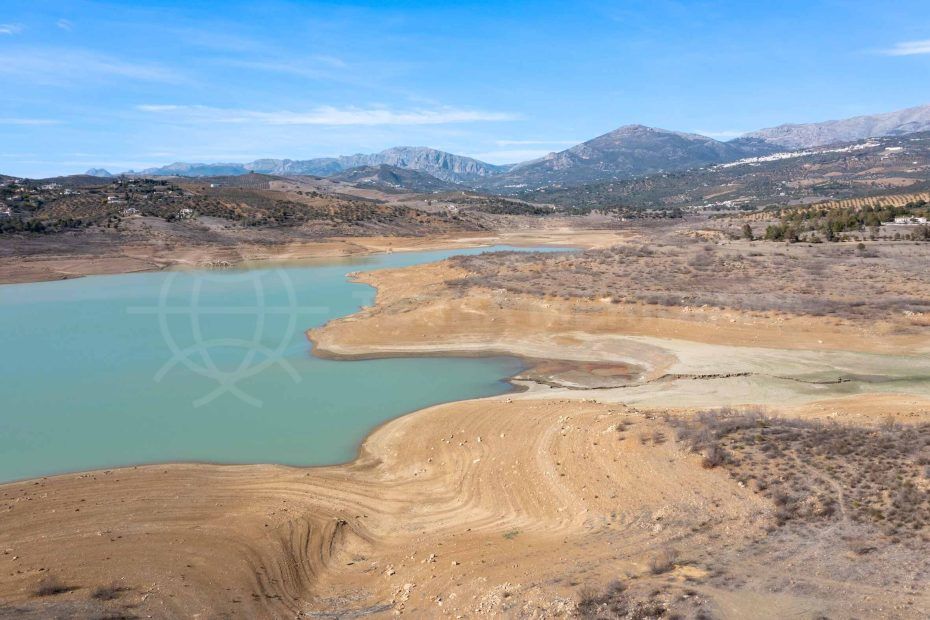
910	219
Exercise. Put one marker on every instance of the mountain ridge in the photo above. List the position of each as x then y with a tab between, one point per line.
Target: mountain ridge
806	135
440	164
627	152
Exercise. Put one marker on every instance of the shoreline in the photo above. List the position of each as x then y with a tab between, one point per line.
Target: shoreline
445	509
26	269
355	459
431	245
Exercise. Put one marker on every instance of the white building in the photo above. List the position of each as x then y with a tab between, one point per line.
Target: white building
910	219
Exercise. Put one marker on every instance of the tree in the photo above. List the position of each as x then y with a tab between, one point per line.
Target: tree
747	231
774	232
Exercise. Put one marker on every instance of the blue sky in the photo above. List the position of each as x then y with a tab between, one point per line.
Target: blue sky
94	84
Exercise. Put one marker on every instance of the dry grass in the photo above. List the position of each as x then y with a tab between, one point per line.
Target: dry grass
639	601
823	472
827	279
50	586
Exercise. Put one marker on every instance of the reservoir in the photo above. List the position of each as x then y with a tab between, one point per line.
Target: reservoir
205	366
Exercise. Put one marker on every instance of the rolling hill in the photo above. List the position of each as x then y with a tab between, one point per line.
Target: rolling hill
393	179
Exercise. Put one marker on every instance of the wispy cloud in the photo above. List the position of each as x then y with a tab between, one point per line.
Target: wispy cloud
63	65
11	28
64	24
29	121
908	48
325	115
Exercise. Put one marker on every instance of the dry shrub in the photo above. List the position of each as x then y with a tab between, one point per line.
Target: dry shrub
50	586
663	560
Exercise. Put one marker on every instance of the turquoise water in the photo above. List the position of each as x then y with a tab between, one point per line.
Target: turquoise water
204	366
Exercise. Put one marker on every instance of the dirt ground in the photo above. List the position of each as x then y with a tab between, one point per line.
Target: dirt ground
525	505
59	259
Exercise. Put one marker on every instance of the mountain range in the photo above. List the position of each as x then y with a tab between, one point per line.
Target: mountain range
442	165
910	120
627	152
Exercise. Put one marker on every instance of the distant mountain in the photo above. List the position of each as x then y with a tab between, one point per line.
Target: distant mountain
442	165
98	172
627	152
181	169
848	130
391	178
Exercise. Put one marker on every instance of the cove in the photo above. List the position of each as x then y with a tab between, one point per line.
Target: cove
205	366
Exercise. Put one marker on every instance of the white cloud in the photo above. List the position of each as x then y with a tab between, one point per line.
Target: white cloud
325	115
11	28
66	65
28	121
909	48
64	24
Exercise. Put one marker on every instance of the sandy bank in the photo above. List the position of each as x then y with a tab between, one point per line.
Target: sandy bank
680	357
154	257
445	510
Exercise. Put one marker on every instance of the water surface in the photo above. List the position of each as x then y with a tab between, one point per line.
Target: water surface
212	366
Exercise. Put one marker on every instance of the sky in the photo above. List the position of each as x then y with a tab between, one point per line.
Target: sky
90	84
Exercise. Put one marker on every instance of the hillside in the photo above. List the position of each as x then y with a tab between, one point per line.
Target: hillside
83	202
866	168
393	179
630	151
809	135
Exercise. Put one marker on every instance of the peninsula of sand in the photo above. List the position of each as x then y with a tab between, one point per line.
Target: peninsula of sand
507	506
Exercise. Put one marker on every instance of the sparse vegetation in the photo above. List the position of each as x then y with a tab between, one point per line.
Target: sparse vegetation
821	471
50	586
108	592
632	601
663	560
824	279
